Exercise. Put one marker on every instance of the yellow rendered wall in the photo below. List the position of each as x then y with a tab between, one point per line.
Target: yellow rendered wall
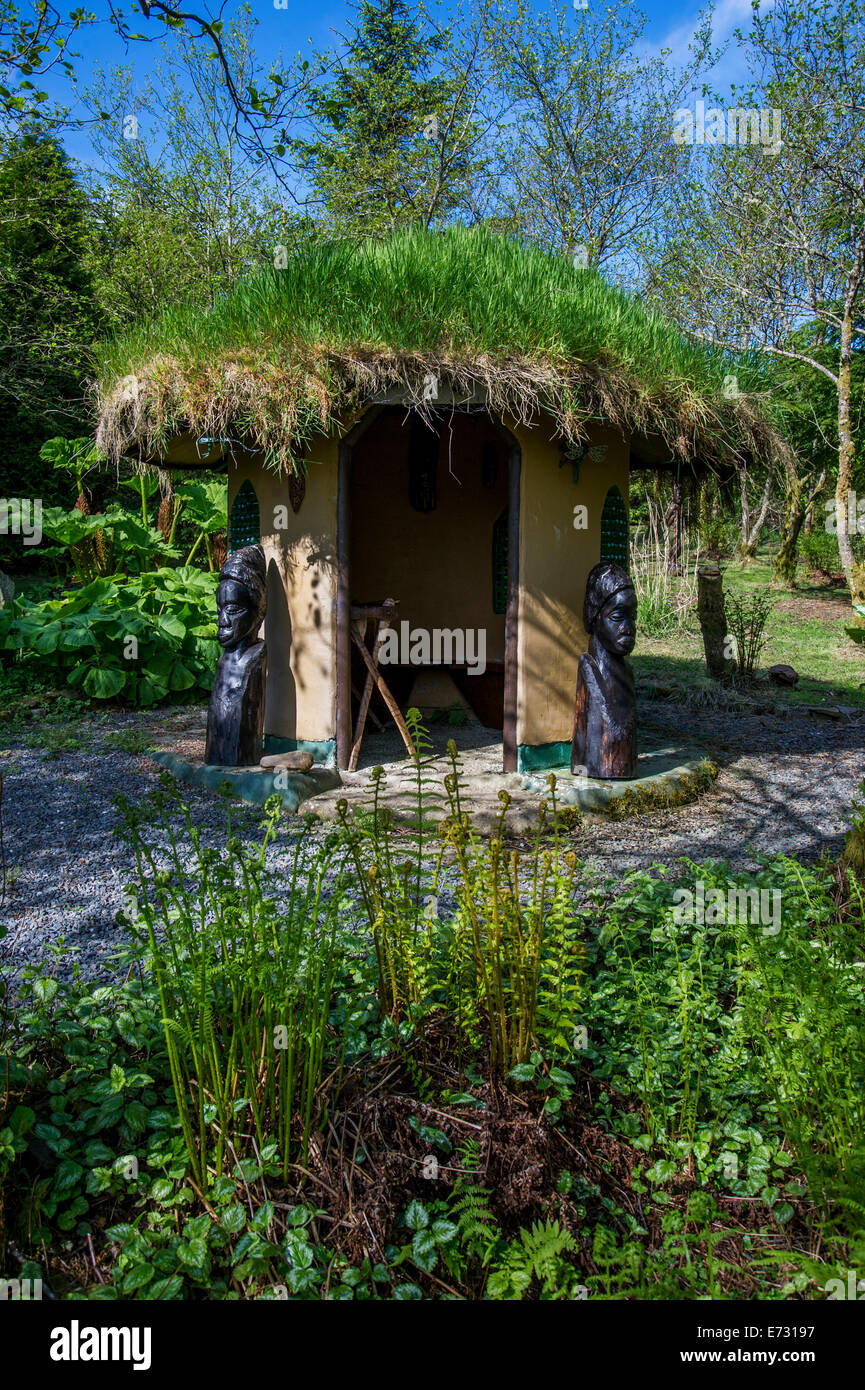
300	625
555	560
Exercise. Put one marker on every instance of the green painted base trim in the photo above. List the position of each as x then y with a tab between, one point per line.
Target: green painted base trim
252	784
532	756
323	751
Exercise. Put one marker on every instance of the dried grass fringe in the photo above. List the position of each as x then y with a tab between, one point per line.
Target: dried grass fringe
274	409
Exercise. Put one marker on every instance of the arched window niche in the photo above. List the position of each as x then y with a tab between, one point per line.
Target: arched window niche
614	529
244	523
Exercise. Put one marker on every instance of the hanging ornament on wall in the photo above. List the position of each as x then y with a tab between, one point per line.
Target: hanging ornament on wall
296	490
574	453
423	466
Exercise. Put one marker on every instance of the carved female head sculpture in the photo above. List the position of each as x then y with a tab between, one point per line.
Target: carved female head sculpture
605	717
241	597
610	608
235	716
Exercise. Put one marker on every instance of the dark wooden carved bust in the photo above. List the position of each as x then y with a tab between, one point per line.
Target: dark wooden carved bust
605	715
235	717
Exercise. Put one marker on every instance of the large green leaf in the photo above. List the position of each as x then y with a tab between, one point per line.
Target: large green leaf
76	635
159	664
104	682
99	593
181	677
170	624
70	527
149	481
206	505
46	638
207	652
151	692
84	631
78	455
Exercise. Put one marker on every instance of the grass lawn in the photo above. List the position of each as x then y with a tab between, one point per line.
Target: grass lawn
805	630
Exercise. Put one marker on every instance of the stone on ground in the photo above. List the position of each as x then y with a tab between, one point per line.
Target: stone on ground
297	761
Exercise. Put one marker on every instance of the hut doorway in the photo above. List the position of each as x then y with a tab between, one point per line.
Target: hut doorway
430	517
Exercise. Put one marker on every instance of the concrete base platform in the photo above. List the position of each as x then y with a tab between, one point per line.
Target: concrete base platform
661	772
669	774
253	784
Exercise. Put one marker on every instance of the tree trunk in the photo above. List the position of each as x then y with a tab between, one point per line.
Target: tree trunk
809	517
673	519
797	511
752	523
713	621
786	559
845	459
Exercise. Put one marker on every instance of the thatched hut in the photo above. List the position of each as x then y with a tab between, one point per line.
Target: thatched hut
446	419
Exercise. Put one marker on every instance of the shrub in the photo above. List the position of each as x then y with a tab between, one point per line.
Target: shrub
144	640
746	619
112	542
718	537
820	552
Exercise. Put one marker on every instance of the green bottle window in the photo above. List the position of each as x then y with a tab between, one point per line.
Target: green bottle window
244	525
501	528
614	529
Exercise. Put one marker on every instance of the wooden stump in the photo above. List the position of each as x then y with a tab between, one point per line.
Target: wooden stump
713	621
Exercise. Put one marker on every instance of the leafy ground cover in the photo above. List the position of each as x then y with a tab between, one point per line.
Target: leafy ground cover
552	1088
140	640
122	621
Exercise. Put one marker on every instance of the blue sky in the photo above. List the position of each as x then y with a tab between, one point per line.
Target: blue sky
301	26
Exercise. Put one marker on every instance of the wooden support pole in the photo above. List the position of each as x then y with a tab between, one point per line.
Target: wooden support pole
509	730
343	608
391	703
358	632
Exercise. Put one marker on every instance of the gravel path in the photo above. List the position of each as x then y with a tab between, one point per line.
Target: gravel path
786	786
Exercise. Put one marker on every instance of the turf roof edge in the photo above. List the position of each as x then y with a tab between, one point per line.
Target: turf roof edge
276	394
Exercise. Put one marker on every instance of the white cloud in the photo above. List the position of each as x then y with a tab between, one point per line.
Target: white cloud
726	16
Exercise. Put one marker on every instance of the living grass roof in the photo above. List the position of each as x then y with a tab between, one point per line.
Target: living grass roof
290	352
